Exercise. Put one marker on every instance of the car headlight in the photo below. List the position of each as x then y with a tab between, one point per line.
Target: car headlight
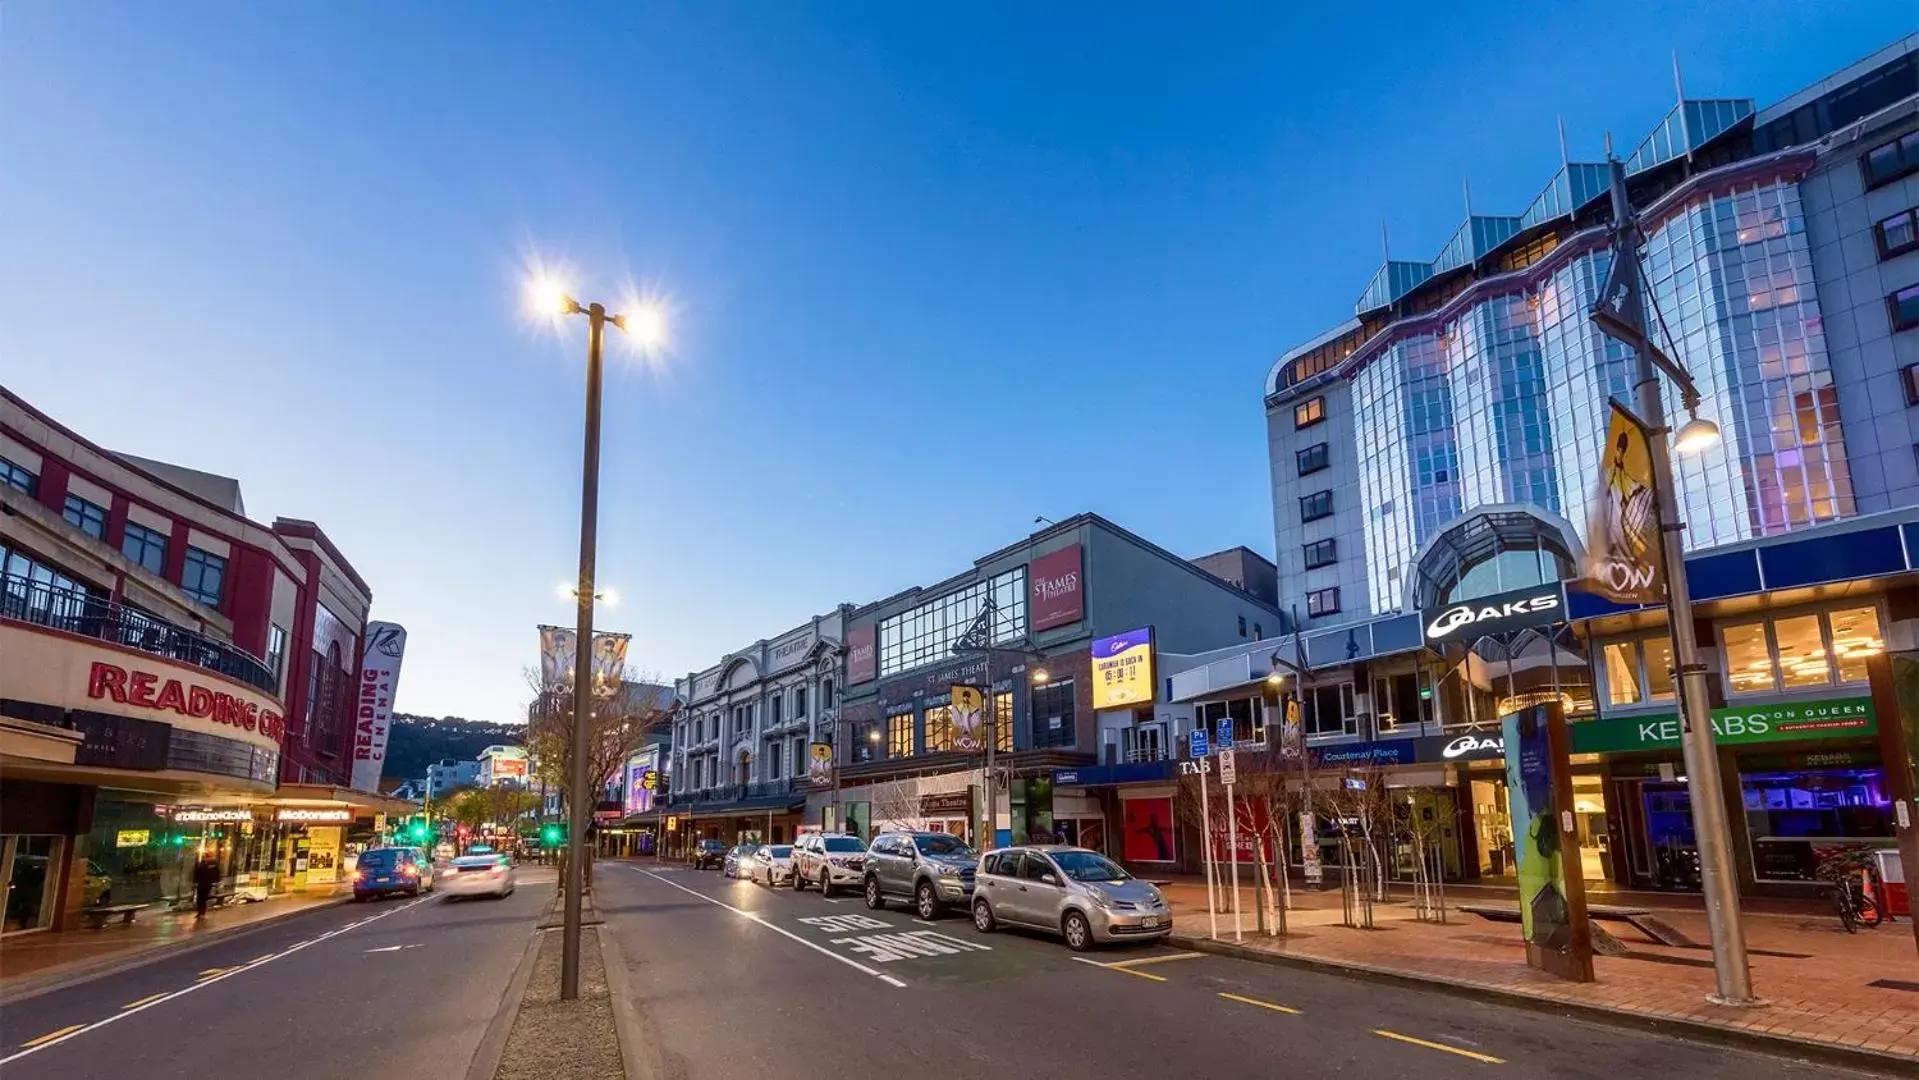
1104	901
948	871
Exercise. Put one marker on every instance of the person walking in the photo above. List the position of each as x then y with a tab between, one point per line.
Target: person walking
206	874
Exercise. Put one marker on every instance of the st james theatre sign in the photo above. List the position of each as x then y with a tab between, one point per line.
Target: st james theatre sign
1520	609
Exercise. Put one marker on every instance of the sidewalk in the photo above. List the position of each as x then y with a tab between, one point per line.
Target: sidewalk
33	962
1816	978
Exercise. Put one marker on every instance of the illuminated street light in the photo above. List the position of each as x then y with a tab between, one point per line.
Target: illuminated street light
1041	677
604	597
1695	435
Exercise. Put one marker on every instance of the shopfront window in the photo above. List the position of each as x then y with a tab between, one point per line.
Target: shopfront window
1638	672
32	866
1792	816
1802	651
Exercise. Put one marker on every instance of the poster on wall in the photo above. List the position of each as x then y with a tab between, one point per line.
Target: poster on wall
1552	907
819	763
1123	669
862	657
323	856
379	682
1147	831
1053	582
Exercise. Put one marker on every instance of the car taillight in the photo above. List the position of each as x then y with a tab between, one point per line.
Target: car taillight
359	875
410	870
498	870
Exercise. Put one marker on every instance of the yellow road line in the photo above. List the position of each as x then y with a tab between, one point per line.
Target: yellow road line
52	1035
1155	959
143	1001
211	972
1487	1058
262	956
1261	1004
1130	971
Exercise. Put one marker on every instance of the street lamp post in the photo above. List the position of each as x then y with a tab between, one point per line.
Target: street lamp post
555	301
1620	313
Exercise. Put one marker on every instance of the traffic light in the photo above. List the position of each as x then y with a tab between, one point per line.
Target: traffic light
419	830
552	835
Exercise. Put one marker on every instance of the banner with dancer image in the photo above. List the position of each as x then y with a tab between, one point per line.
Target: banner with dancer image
969	718
559	658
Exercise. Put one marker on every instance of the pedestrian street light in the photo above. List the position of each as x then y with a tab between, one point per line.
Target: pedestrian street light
604	597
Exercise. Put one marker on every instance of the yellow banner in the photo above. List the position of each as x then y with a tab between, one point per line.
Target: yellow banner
969	718
1623	560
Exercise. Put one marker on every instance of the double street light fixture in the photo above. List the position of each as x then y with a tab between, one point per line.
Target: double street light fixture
646	326
604	598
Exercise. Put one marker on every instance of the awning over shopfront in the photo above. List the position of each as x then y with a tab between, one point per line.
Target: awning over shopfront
316	798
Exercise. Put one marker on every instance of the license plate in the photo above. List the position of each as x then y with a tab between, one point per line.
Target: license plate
1152	923
381	881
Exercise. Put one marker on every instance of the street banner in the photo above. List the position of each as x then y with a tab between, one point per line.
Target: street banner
1309	848
609	663
1123	669
1290	742
556	656
1552	902
819	765
969	718
558	659
379	681
1623	559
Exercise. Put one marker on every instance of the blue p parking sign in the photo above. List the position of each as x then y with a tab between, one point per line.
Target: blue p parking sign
1198	746
1223	732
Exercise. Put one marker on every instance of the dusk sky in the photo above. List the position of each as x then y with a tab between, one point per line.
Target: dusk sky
932	269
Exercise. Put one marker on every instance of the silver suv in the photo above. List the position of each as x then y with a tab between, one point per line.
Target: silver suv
829	861
931	869
1081	895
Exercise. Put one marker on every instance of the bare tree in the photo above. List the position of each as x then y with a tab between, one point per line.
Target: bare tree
617	728
896	805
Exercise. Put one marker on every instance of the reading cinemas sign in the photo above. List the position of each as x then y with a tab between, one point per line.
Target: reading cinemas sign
1537	605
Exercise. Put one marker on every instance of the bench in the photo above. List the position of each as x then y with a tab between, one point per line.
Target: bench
187	902
97	916
1656	930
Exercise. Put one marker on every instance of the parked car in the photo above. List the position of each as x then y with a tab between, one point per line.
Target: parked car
929	869
709	855
738	857
477	875
97	889
773	864
828	860
1080	895
384	870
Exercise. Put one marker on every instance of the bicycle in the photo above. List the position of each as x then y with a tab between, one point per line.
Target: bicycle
1853	892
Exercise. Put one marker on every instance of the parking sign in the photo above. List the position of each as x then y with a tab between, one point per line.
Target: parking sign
1228	767
1198	748
1223	732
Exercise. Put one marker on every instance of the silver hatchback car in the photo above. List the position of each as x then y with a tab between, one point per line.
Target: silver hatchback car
1081	895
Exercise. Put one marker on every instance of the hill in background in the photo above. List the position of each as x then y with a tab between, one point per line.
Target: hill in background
414	742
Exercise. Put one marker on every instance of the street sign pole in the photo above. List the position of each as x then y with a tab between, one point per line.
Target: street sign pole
1227	774
1206	849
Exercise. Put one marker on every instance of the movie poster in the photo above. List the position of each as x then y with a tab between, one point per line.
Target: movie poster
1147	834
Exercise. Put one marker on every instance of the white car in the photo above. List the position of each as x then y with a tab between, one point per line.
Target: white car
477	875
772	865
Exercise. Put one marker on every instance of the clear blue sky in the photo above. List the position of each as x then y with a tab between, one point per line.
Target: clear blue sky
934	268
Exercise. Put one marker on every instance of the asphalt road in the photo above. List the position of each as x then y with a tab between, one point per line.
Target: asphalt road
395	987
733	980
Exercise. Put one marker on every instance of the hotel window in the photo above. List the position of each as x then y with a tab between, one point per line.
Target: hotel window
89	518
1903	308
1003	723
1321	553
1315	506
276	650
1889	161
16	476
1323	601
1053	714
1312	459
1308	413
939	729
146	547
899	735
1897	234
1801	651
204	577
1638	672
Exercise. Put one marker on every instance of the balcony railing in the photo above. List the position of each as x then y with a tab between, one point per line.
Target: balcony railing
78	611
725	793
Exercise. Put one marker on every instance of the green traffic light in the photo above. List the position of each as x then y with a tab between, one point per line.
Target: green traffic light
550	835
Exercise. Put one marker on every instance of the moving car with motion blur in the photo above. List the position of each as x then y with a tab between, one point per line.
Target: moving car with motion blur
828	860
928	868
737	859
773	865
383	871
1081	895
709	855
477	875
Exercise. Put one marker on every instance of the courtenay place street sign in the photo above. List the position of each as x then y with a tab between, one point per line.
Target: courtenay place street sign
1500	613
1788	721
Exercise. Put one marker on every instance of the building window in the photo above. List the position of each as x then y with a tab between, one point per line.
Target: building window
774	704
205	576
1246	714
1053	714
1889	161
1910	376
1242	626
1897	234
1310	412
927	633
276	650
799	703
1315	506
1003	723
774	759
939	729
1796	652
146	547
1638	672
16	476
799	758
1329	711
899	735
1312	459
826	693
1323	601
1903	307
89	518
1321	553
1259	632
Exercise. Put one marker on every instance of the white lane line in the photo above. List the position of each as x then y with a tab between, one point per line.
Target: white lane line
159	999
744	914
926	922
832	900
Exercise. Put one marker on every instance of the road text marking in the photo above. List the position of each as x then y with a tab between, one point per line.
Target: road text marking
51	1035
1261	1004
55	1038
144	1001
1487	1058
1121	970
886	948
782	931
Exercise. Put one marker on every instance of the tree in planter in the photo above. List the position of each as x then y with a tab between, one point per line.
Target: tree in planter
1363	813
1262	798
